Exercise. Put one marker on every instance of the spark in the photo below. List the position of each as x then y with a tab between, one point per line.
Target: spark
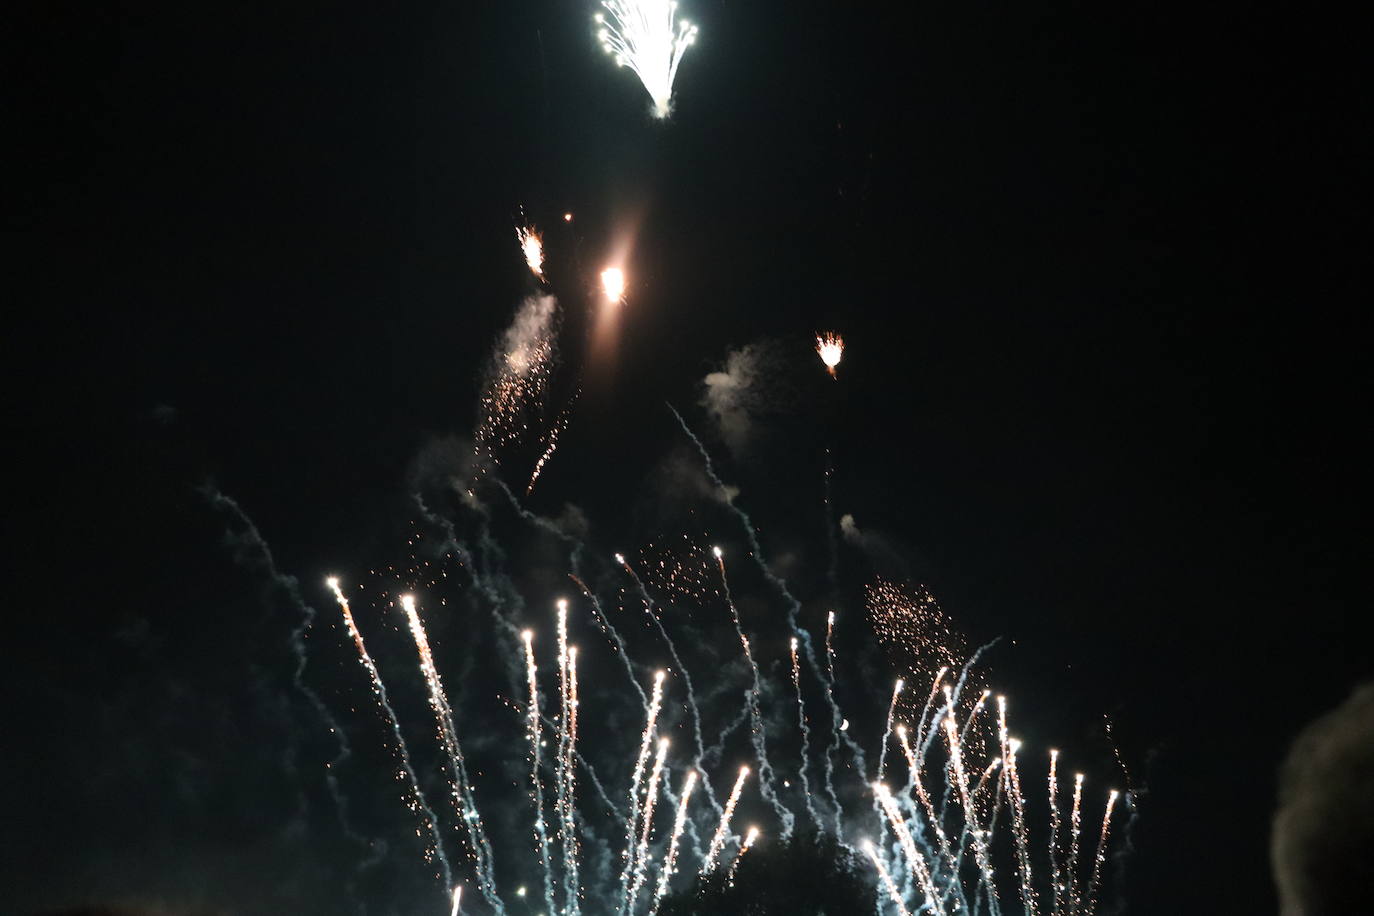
1055	877
723	828
532	245
1075	820
457	900
1101	855
416	798
915	861
645	36
536	787
670	859
748	843
613	284
886	878
831	347
805	729
463	801
655	700
650	800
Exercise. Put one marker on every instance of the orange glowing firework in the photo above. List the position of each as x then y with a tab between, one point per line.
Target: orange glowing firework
613	284
831	347
532	245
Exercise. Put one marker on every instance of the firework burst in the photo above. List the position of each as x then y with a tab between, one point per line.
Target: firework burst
647	37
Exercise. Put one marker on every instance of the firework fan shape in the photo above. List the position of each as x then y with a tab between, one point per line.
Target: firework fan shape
647	37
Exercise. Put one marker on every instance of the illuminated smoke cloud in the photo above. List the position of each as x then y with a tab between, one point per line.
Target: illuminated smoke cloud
736	395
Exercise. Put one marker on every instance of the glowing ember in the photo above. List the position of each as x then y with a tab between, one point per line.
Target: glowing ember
831	347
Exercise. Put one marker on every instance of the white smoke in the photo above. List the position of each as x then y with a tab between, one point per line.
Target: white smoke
735	395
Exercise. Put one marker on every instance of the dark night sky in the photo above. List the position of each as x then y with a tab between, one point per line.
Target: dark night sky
1099	270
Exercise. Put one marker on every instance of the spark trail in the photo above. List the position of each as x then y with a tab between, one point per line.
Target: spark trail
692	709
723	828
1101	853
670	858
536	785
888	884
646	828
463	801
632	822
415	799
757	731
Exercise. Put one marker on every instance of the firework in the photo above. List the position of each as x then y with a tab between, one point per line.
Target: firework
1101	854
915	861
613	284
536	786
670	858
650	800
518	379
463	801
749	839
723	828
457	900
830	346
532	247
647	37
415	799
632	821
888	884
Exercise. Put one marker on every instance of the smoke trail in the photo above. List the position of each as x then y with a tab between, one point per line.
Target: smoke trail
757	733
253	551
793	605
886	879
416	797
805	740
686	675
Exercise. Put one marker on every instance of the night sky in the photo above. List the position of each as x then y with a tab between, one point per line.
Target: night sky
1100	272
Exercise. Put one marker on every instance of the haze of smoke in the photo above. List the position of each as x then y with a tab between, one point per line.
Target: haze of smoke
735	396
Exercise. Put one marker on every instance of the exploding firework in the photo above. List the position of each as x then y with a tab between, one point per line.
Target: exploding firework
613	284
647	37
532	247
831	347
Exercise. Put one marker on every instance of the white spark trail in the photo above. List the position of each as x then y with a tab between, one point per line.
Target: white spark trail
645	36
536	785
632	822
723	828
646	828
670	859
886	878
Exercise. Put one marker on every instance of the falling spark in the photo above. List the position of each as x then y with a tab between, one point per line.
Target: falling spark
831	347
532	245
886	878
645	36
749	839
723	828
613	284
670	859
416	798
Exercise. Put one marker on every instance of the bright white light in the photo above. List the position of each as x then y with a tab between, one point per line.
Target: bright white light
645	36
613	283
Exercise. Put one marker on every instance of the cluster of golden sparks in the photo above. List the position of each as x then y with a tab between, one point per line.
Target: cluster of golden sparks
830	346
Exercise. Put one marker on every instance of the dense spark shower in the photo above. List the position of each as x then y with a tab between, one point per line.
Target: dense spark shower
831	347
647	37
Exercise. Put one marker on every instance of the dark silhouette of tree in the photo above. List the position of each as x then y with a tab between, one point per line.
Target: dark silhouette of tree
811	875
